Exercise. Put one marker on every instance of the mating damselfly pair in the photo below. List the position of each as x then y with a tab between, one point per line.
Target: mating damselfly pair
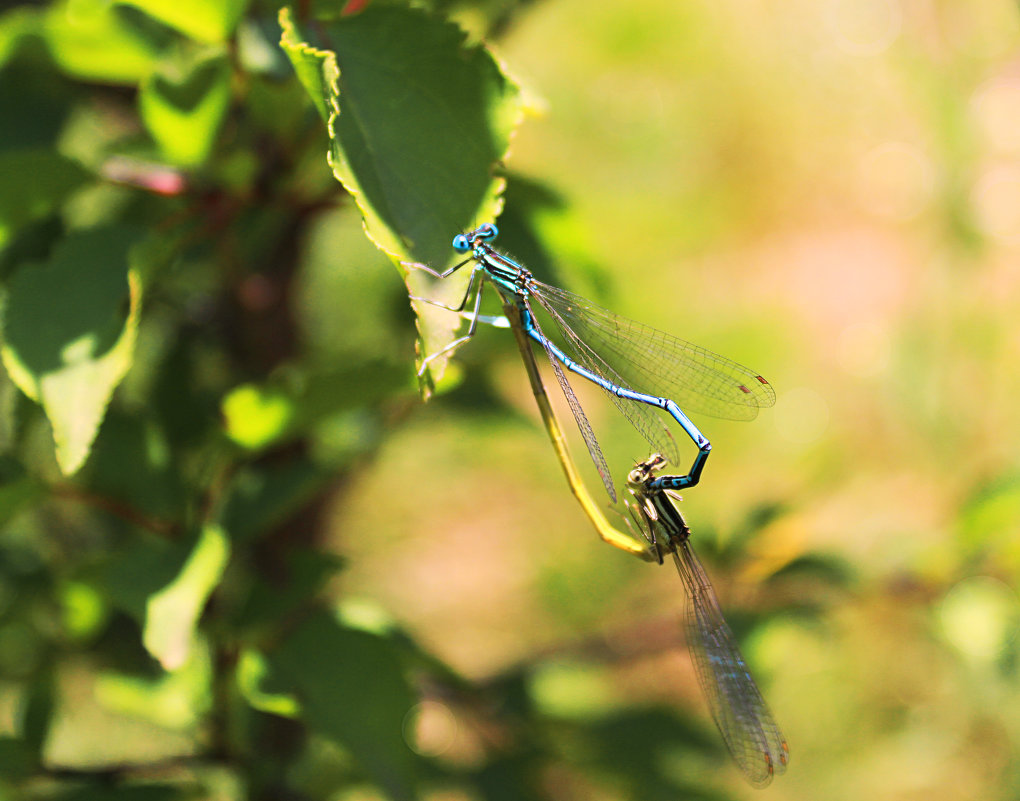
641	369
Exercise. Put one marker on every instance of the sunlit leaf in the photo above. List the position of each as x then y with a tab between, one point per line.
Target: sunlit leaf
70	327
84	609
991	516
173	700
183	103
96	41
200	19
252	671
255	417
432	174
314	67
172	613
352	689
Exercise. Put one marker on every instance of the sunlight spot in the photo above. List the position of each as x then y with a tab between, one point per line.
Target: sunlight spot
979	616
430	728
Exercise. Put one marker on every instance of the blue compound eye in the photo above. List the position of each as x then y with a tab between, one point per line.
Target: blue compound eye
461	244
488	232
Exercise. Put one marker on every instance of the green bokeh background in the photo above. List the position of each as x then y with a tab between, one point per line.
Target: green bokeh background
828	191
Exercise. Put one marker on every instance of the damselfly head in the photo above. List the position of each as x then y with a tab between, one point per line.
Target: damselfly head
486	232
644	471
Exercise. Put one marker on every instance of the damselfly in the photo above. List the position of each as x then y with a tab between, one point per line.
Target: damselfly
740	712
641	369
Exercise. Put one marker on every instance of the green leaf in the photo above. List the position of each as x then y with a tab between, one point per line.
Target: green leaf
419	122
172	613
95	41
33	182
352	689
316	69
69	330
183	103
200	19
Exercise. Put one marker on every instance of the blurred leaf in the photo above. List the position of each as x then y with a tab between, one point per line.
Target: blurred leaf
132	462
17	489
85	611
69	337
96	41
173	700
33	182
144	566
827	569
513	778
252	671
33	241
14	24
183	102
636	746
38	712
259	54
323	394
104	791
16	759
430	176
991	515
297	582
256	417
561	688
200	19
261	497
172	613
352	689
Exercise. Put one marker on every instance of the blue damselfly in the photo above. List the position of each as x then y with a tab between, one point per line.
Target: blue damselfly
640	368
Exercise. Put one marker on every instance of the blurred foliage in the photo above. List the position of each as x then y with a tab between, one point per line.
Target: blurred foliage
239	558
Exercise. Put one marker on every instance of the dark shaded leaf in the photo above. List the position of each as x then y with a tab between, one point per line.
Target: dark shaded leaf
353	690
